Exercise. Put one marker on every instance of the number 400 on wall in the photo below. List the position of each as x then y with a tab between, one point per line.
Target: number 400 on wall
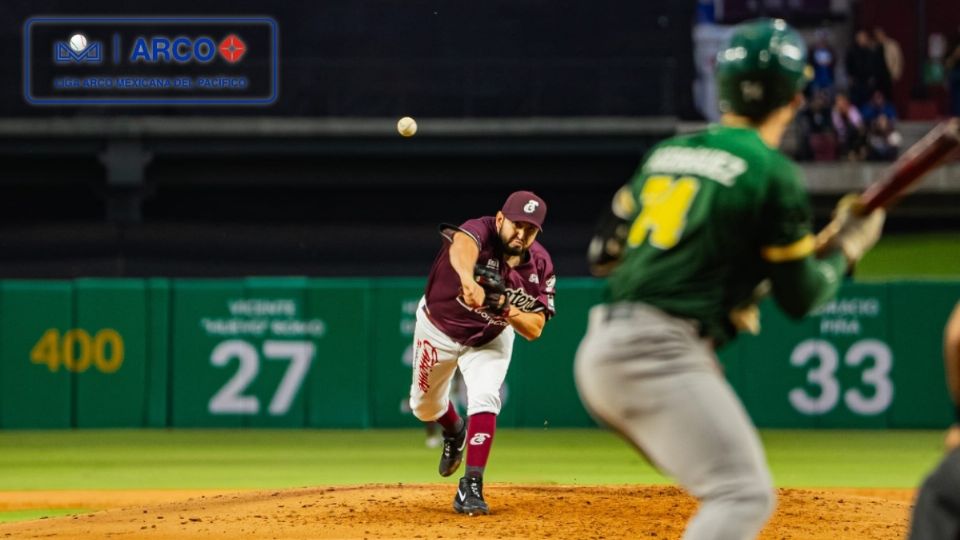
76	350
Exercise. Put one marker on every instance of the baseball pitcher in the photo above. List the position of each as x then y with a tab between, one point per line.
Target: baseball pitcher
706	220
491	279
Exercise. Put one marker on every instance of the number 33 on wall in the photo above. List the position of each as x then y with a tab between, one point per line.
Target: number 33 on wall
76	350
824	377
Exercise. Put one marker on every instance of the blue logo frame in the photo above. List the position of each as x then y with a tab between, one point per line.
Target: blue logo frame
87	54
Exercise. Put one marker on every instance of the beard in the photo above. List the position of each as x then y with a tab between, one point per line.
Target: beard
510	249
513	251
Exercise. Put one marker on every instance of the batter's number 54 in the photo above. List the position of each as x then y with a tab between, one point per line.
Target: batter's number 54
231	399
824	376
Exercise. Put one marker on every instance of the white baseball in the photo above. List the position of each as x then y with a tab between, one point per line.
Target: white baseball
78	42
407	126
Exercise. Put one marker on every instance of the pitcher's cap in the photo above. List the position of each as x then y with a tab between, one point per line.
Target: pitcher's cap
525	206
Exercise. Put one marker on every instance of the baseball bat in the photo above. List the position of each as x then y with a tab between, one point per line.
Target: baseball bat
933	150
930	152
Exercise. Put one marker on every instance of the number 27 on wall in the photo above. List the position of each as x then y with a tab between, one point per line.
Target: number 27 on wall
231	400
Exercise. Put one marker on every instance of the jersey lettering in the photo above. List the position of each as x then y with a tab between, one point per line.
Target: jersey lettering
523	301
665	202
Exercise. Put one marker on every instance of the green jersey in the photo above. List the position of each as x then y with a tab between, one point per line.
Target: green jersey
711	211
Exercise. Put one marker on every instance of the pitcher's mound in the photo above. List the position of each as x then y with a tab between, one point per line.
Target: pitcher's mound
425	511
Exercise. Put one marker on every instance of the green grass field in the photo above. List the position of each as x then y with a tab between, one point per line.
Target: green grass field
267	459
25	515
930	256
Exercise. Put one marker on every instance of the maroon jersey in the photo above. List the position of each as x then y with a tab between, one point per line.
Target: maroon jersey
530	285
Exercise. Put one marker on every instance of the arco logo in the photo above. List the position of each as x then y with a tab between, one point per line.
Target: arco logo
232	48
182	49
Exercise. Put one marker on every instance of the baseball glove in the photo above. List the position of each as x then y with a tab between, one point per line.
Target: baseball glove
495	292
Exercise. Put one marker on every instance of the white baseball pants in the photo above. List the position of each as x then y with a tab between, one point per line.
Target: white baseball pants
435	360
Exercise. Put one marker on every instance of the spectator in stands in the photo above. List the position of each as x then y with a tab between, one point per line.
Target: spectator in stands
892	53
867	68
816	127
857	62
851	131
952	64
823	60
883	141
877	106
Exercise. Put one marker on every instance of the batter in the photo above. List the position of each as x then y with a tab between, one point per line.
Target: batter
692	241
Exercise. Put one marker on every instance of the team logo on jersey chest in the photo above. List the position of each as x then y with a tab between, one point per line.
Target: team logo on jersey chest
522	300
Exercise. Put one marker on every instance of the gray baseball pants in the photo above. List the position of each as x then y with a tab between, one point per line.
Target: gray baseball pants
651	377
936	512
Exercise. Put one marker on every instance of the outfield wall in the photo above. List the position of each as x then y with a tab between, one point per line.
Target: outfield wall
335	353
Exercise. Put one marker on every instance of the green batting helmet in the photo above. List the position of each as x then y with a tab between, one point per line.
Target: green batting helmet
762	68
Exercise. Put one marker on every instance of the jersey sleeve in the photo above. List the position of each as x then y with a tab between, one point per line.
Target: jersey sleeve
479	229
547	296
548	287
786	229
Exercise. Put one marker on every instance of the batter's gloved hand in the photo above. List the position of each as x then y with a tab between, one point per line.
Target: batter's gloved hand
745	316
850	232
495	292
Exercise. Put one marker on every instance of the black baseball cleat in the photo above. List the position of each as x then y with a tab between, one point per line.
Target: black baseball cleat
452	455
469	497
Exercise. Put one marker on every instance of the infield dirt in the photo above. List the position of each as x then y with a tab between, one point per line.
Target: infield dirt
424	511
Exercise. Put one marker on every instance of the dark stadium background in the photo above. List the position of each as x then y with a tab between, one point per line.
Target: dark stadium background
560	97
